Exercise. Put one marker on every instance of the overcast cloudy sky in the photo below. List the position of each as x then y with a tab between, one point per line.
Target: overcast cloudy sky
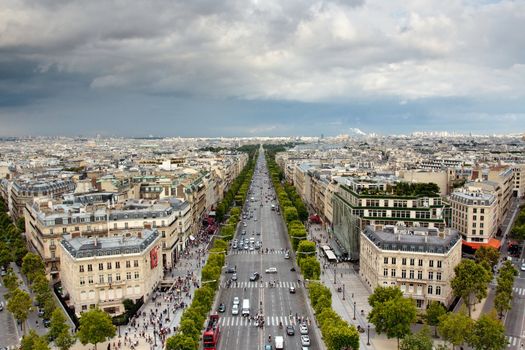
260	67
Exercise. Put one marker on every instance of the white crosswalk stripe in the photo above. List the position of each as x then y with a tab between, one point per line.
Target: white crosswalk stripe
512	341
519	291
249	284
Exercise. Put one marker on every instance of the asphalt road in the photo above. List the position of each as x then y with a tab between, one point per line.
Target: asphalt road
515	319
276	303
8	332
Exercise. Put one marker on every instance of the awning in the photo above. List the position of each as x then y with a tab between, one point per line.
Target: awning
192	238
493	242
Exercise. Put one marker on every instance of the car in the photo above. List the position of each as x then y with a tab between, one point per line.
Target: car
292	290
40	312
287	255
255	219
234	245
46	323
271	270
305	340
252	248
236	301
1	306
230	269
234	277
268	347
246	247
221	308
243	232
303	329
254	277
523	267
235	309
290	330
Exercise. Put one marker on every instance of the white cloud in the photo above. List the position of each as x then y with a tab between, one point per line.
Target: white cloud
292	50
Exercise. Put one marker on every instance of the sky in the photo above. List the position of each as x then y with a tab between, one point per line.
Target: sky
260	67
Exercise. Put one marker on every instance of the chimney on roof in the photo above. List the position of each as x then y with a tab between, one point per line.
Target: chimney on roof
139	234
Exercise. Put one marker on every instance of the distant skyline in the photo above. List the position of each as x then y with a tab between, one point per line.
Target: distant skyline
261	68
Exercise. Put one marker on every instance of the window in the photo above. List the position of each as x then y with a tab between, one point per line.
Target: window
429	290
438	276
431	275
412	261
135	263
385	260
115	226
439	264
438	290
474	217
117	264
128	264
404	261
431	263
420	275
64	230
393	273
385	272
475	210
420	262
419	303
394	261
136	275
90	267
82	281
101	266
117	276
411	274
126	225
110	278
482	211
100	278
128	275
90	279
482	218
403	273
109	266
81	268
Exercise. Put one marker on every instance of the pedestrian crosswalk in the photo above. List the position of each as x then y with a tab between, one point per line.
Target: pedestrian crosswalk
513	341
259	284
239	321
519	291
240	252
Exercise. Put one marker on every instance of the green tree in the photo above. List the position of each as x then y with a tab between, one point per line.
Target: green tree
19	304
95	327
394	317
32	265
181	342
345	337
65	340
502	302
188	326
32	341
434	311
488	254
470	282
305	249
417	341
11	281
310	268
6	255
488	333
57	325
290	213
382	294
455	327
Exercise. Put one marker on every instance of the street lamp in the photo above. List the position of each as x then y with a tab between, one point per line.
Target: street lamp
354	310
335	274
119	331
343	292
155	334
368	342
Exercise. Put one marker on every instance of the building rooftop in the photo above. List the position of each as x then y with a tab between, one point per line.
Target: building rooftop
473	197
413	239
82	247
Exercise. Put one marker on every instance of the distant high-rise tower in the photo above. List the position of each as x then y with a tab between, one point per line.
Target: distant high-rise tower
322	136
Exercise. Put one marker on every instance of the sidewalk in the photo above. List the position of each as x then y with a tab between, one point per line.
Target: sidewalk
158	318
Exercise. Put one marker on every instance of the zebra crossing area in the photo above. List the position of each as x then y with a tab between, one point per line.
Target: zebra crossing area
240	252
519	291
236	321
278	284
513	341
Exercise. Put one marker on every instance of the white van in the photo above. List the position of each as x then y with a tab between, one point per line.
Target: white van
245	307
279	342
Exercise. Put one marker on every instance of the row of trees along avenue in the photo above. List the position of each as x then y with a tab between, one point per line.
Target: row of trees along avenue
337	333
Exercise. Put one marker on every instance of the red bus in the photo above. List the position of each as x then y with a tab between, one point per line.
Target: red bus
210	337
